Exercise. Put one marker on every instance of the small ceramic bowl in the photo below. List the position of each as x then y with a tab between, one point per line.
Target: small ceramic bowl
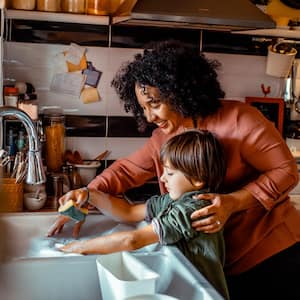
32	201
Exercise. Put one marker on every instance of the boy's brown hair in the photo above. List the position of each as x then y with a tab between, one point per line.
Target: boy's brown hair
198	155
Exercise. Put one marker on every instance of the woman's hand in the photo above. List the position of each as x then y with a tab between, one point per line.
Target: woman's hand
212	218
80	196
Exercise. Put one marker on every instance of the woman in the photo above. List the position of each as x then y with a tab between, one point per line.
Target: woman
176	88
193	163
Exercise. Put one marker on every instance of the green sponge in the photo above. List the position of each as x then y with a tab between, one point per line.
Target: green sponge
69	209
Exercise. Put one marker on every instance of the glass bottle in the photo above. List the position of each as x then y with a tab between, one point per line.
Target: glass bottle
67	181
76	181
21	141
55	141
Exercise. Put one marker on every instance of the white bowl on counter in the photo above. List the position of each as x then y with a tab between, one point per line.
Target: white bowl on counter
34	201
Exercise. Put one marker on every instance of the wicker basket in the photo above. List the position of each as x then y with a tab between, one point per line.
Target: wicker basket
11	195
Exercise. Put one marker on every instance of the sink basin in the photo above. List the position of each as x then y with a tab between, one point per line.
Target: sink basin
34	269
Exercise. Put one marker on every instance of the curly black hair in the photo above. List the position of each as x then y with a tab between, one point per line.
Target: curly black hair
185	78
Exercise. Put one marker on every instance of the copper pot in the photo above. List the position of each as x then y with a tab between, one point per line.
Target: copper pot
110	7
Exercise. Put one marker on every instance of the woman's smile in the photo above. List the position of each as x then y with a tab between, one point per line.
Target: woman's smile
156	111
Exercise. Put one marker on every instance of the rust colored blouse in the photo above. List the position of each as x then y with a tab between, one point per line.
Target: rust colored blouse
258	160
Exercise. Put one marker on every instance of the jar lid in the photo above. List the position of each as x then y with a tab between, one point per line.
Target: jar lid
11	90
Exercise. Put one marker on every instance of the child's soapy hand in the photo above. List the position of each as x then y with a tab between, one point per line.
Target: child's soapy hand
74	247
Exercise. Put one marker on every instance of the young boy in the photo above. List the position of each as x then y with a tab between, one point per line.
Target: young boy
193	163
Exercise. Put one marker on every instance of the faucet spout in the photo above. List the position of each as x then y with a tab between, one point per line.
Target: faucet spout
36	173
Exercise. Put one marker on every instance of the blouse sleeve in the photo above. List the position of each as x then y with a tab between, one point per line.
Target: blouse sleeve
264	149
128	172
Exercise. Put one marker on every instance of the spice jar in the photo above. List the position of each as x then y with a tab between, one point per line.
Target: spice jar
49	5
73	6
55	141
11	96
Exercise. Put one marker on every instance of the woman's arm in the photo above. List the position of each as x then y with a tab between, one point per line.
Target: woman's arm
131	171
261	166
119	241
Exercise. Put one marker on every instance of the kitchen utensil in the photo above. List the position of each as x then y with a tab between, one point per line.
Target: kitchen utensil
77	157
102	155
11	195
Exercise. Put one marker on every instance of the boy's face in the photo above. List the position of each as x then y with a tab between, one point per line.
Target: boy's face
176	183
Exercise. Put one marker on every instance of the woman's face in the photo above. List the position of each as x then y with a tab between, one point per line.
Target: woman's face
176	182
156	111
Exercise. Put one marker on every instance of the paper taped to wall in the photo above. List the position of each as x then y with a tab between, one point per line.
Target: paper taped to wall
68	83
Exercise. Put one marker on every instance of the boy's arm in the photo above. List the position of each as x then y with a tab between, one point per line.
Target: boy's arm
115	242
118	208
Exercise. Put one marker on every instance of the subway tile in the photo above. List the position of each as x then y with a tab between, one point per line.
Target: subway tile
88	147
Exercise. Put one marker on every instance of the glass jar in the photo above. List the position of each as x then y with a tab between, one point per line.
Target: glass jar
76	181
23	4
49	5
73	6
29	104
55	141
11	96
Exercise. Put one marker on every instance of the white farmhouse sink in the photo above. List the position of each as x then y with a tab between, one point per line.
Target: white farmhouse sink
33	269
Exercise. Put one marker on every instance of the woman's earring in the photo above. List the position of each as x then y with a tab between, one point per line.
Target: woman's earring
143	89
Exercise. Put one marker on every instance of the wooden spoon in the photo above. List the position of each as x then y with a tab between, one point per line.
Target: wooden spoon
102	155
77	158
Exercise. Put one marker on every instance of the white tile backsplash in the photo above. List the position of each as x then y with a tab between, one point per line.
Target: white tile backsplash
90	148
240	76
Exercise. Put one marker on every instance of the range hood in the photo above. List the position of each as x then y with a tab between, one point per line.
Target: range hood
203	14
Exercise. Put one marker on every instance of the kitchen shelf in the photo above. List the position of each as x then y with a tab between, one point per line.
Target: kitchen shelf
274	32
56	17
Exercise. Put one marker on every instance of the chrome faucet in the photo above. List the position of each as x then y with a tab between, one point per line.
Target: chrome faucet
35	173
